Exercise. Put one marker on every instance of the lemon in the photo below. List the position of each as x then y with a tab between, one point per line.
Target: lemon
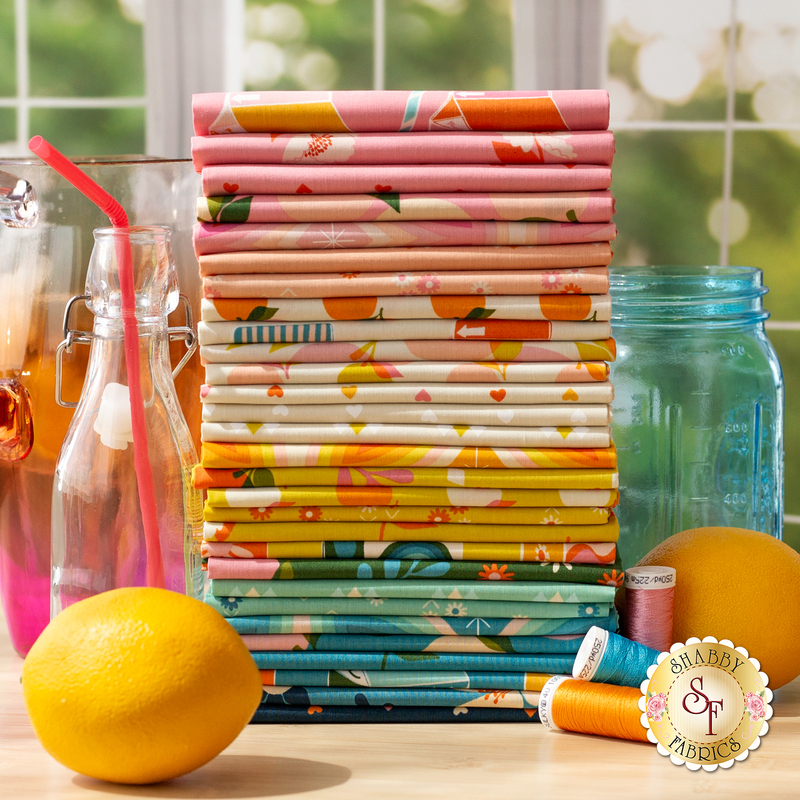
740	585
139	685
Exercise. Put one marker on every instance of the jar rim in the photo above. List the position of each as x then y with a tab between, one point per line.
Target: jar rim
136	233
668	272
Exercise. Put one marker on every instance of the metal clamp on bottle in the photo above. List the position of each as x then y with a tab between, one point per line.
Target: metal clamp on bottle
185	333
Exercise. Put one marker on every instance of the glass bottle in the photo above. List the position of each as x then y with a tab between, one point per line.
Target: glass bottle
97	532
698	414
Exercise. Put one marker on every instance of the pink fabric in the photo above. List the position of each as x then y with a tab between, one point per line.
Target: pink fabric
347	263
545	207
352	179
453	147
364	111
211	237
403	372
590	280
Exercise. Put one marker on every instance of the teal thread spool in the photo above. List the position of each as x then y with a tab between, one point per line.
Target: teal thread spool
606	657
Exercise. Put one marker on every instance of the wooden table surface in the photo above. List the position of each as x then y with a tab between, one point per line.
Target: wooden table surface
374	762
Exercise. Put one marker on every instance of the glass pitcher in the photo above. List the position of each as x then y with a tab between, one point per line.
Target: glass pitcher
98	536
45	241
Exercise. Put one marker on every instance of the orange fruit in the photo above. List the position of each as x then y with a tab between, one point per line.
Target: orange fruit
740	585
139	685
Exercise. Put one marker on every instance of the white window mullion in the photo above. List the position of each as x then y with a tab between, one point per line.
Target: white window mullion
558	44
23	74
191	46
730	119
379	44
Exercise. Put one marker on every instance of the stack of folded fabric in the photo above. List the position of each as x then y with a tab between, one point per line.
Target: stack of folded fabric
406	440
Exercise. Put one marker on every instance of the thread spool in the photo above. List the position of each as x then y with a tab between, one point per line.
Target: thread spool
595	708
605	657
649	597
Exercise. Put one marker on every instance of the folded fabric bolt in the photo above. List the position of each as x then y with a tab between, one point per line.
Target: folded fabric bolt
263	485
556	556
422	147
414	350
258	606
580	280
386	178
466	414
214	237
420	625
365	111
422	589
561	307
294	512
570	397
337	715
468	261
346	679
408	643
377	433
277	375
375	330
364	570
415	662
408	531
394	206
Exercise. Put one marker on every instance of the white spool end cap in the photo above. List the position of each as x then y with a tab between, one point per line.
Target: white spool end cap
649	577
113	421
590	654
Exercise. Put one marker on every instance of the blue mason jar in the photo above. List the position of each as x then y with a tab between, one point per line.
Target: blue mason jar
698	412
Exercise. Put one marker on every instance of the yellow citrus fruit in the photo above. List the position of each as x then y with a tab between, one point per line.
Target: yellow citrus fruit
740	585
139	685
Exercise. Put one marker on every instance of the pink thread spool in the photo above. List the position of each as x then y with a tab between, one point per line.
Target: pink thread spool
649	598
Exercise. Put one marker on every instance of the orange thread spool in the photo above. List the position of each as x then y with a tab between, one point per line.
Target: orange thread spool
595	708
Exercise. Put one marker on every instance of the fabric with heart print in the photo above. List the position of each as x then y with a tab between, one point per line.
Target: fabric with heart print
597	206
592	415
562	382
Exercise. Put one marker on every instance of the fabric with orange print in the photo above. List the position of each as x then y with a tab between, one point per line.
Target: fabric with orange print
553	555
421	147
408	531
283	374
576	396
395	206
214	237
450	414
566	308
265	569
406	178
293	511
359	461
579	280
347	264
403	330
404	111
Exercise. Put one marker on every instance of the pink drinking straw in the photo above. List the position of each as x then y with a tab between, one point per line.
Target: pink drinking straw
141	461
